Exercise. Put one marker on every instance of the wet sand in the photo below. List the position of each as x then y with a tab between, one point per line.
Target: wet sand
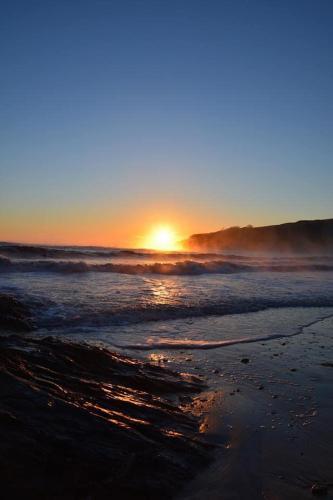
270	411
78	421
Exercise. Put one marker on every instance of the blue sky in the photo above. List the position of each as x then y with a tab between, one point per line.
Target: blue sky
199	113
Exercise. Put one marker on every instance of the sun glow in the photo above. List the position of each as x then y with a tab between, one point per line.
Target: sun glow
162	238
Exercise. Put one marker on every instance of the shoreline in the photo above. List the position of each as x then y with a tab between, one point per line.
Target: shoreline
260	427
271	419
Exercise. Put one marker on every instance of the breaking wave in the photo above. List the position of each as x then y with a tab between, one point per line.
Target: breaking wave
182	268
46	252
20	251
31	251
178	268
49	316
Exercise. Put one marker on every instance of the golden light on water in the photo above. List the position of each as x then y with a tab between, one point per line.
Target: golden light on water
162	238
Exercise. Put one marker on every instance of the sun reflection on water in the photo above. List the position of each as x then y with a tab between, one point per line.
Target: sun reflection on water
163	292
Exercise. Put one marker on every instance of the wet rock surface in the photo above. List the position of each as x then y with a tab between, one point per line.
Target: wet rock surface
82	422
319	490
14	315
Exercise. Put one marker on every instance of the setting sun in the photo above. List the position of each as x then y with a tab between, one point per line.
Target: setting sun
162	238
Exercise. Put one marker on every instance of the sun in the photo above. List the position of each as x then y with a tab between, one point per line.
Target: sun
162	238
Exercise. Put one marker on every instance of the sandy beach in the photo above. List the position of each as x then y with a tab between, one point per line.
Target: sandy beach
269	409
248	419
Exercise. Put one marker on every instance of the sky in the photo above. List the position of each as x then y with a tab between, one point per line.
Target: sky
117	115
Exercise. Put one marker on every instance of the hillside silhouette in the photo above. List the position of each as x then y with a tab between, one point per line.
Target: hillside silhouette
304	236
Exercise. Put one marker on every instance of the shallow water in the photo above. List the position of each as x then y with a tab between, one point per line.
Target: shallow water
271	411
71	290
270	417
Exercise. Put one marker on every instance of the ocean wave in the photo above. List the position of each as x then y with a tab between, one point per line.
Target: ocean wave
20	251
31	251
174	344
181	268
187	267
51	316
46	252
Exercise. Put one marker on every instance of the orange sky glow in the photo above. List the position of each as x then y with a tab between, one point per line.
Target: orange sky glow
131	225
141	229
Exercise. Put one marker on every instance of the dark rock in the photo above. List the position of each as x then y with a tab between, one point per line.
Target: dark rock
319	490
245	360
185	399
78	421
14	315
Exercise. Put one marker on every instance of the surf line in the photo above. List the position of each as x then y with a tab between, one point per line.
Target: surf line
171	344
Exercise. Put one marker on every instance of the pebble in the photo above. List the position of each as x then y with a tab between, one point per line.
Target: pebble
245	360
319	490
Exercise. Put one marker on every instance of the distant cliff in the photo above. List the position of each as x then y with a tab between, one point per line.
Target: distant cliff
302	236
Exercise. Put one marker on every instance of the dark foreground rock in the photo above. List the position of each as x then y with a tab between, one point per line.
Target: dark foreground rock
82	422
14	315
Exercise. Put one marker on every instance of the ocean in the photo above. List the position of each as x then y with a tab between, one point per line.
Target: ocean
141	300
